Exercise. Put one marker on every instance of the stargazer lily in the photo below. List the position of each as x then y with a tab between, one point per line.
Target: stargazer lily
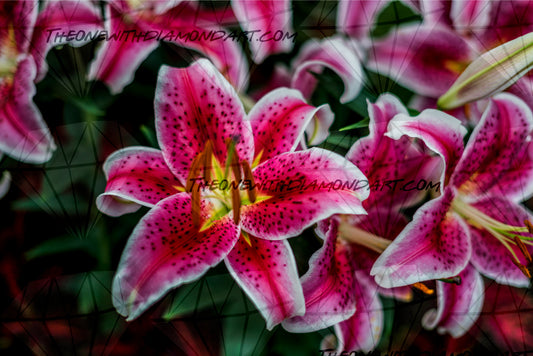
338	288
342	56
195	223
135	27
429	57
24	135
477	219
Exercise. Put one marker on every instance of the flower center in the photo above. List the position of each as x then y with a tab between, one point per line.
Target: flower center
8	55
507	235
223	184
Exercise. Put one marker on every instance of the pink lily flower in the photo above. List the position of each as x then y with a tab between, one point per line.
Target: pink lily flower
338	288
24	135
477	220
427	58
135	27
273	18
224	186
338	54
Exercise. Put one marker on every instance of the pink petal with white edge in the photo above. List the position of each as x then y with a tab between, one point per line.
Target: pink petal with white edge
397	162
279	120
302	188
496	143
470	15
119	57
318	129
442	133
5	182
436	244
63	17
172	251
272	17
356	18
363	330
193	28
266	271
489	256
135	176
194	105
340	55
24	135
458	306
328	287
423	58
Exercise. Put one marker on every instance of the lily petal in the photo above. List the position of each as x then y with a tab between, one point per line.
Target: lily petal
470	15
279	120
301	188
194	105
436	244
356	18
489	256
193	28
24	135
63	17
135	176
119	56
363	330
494	147
266	271
491	73
423	58
328	286
272	17
336	53
172	251
458	306
440	132
391	163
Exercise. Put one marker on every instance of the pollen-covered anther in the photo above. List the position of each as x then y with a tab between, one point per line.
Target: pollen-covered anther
208	160
529	226
422	287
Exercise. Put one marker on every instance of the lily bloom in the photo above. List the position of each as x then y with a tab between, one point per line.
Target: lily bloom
24	135
224	187
429	57
477	219
338	288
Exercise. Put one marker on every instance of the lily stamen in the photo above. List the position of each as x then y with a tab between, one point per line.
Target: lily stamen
422	287
506	234
252	195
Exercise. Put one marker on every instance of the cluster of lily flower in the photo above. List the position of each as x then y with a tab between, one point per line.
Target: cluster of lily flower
209	129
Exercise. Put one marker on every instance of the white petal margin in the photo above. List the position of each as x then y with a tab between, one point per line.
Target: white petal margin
458	306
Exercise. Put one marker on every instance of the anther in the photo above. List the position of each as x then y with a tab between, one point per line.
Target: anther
529	226
252	195
422	287
523	268
523	249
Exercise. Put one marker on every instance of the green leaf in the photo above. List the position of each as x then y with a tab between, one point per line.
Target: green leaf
58	245
357	125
